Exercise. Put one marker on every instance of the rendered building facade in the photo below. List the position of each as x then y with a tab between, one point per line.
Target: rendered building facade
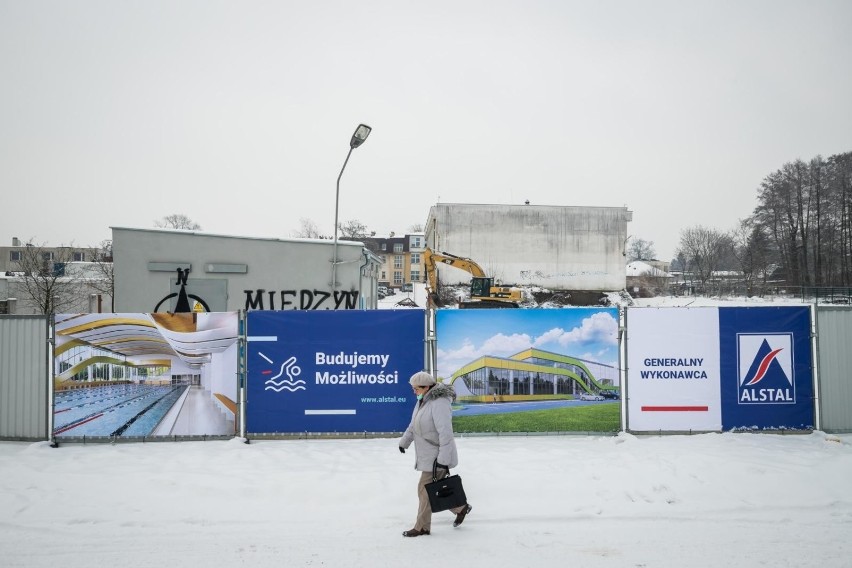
533	372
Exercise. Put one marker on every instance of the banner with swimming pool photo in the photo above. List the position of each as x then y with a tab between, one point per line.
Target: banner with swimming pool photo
332	371
137	376
531	370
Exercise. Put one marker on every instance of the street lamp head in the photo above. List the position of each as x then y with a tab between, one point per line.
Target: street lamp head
358	138
360	135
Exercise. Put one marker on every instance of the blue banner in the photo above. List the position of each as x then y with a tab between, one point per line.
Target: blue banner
766	378
332	371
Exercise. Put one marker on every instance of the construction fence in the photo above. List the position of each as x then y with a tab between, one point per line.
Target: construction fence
279	374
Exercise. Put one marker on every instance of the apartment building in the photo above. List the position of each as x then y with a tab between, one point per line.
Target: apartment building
10	257
402	258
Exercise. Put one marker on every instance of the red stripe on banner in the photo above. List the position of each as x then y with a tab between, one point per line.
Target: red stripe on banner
674	409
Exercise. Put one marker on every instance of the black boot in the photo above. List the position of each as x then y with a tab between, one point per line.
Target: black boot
460	517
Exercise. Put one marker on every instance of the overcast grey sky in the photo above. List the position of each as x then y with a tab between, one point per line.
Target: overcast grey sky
239	114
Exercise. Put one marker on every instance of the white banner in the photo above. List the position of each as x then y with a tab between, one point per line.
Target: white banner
673	369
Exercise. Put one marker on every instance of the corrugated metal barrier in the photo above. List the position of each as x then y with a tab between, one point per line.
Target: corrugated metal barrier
24	377
834	328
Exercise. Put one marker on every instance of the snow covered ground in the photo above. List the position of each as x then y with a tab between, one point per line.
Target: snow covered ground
714	500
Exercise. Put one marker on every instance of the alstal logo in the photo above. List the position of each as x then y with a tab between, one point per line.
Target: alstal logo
287	377
765	369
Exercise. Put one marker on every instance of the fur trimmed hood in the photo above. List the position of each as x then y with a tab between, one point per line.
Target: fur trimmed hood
441	390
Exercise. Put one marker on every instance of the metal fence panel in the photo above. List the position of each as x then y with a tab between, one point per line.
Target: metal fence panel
834	327
24	378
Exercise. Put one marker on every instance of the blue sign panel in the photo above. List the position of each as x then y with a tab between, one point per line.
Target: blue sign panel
766	378
332	371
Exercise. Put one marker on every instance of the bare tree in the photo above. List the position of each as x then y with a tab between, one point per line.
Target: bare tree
416	228
43	281
640	249
307	230
353	230
704	249
752	251
177	221
104	280
804	208
678	263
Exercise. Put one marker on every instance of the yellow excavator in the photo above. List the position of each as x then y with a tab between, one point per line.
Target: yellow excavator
483	292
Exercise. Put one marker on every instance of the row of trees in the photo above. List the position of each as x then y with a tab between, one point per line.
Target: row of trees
799	235
352	230
347	230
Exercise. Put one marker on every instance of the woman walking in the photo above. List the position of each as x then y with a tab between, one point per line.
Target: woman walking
431	430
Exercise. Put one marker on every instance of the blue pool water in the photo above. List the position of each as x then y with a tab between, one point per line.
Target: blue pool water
114	410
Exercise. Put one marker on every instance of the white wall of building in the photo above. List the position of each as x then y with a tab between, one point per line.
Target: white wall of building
277	273
560	248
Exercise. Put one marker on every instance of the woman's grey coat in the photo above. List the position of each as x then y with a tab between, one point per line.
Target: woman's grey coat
431	429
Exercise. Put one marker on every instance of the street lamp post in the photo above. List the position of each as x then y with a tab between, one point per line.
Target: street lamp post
358	138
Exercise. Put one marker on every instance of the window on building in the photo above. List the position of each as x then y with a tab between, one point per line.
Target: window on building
397	278
415	276
15	255
79	257
47	256
397	247
415	258
383	276
415	242
384	246
397	261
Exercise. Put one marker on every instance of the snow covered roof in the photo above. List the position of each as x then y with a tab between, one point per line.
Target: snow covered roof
640	268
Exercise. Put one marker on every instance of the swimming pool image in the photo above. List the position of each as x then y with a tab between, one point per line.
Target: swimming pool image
144	375
114	410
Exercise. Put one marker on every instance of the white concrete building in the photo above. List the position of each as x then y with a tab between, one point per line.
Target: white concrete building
555	247
155	269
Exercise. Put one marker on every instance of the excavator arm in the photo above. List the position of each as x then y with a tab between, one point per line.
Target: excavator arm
431	260
481	285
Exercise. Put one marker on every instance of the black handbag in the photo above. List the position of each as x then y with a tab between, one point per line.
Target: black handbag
446	493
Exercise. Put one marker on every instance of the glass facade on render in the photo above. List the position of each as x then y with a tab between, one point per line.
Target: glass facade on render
488	381
576	369
82	355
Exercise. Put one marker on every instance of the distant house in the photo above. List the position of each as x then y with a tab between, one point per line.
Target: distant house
10	257
645	268
645	279
79	284
401	256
